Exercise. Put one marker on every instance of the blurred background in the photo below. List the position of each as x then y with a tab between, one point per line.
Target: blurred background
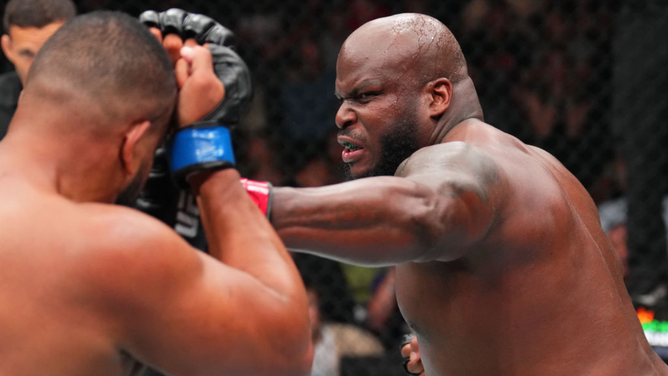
586	80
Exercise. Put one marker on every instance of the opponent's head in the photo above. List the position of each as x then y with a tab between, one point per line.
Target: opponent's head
397	78
27	25
105	83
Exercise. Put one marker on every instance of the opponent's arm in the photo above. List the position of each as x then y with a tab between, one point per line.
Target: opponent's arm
186	313
442	200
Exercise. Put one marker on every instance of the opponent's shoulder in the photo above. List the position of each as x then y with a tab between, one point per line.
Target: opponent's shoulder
129	242
125	225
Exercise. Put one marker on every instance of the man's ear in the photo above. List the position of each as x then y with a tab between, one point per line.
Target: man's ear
129	148
440	92
6	43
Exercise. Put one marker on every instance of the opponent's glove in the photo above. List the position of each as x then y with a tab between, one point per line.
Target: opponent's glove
158	188
206	144
260	193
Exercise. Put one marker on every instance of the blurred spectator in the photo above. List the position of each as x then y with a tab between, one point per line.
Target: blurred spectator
333	36
326	276
333	341
260	161
325	168
27	24
307	96
640	111
383	302
363	11
613	213
383	315
526	8
618	237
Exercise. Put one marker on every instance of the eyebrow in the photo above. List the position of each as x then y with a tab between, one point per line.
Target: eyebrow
358	88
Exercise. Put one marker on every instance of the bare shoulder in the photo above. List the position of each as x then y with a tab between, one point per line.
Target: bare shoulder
117	228
455	155
455	163
126	246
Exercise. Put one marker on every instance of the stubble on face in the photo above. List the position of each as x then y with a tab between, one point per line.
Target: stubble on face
395	146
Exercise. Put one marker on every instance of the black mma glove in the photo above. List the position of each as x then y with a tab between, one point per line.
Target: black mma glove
206	144
160	197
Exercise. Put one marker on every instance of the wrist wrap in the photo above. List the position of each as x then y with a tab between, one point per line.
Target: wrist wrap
260	193
199	147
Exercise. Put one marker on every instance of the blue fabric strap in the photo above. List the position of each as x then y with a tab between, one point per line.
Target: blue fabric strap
200	146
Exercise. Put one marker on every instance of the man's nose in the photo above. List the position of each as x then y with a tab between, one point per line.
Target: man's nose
345	116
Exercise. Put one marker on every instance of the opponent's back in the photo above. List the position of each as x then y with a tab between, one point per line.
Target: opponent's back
52	321
541	293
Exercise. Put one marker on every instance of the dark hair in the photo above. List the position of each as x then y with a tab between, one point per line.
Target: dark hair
107	56
37	13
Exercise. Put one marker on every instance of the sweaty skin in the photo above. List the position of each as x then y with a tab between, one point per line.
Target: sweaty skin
501	264
90	288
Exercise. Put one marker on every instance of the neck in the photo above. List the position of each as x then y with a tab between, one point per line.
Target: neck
465	105
68	163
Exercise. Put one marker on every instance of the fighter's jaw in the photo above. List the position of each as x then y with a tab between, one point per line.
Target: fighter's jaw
359	169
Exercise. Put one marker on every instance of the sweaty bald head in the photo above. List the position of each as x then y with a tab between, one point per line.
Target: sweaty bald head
407	43
403	85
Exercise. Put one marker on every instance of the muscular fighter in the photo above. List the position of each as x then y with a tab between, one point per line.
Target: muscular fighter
501	265
90	288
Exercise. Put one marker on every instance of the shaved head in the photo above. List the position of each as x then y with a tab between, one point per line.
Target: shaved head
408	43
403	84
107	67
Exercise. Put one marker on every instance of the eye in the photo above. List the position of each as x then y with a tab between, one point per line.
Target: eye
366	96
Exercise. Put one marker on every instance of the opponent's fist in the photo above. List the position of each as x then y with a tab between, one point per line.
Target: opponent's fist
228	66
410	351
203	142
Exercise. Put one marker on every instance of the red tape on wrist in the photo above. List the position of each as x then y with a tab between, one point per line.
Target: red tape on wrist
260	193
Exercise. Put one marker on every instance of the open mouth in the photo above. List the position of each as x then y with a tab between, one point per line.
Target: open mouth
350	146
351	152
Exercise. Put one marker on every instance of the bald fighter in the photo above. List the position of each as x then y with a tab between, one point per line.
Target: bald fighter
501	265
90	288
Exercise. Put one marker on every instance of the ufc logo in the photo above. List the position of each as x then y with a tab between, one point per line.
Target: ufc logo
187	215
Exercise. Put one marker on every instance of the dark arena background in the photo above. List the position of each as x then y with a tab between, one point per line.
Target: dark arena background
584	79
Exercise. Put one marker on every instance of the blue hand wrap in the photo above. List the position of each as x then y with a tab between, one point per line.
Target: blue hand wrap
198	148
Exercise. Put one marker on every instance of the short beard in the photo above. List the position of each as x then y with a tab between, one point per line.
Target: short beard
395	147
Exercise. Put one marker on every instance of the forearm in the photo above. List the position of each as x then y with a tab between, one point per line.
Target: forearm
240	236
376	221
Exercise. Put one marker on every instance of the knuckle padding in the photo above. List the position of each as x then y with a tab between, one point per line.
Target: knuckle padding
235	76
171	21
196	26
150	18
227	64
220	35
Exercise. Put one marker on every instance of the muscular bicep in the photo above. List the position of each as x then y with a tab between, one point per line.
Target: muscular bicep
464	186
442	199
185	313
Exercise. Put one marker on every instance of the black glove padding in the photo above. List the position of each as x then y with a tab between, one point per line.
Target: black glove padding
158	193
228	66
175	207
